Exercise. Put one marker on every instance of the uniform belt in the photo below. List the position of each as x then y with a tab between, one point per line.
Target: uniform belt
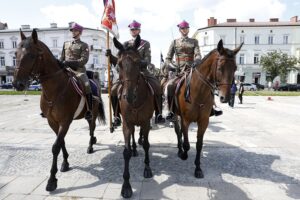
185	59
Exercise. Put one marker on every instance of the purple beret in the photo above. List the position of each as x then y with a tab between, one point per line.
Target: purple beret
134	25
183	24
77	27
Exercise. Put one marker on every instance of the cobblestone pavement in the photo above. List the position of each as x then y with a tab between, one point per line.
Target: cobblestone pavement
250	152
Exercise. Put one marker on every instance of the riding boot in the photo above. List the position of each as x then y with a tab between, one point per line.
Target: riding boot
170	115
115	105
158	109
89	99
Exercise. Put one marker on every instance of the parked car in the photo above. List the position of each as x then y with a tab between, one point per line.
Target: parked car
289	87
259	86
35	87
7	86
249	87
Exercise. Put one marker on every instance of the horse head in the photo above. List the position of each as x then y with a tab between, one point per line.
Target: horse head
225	69
28	56
129	61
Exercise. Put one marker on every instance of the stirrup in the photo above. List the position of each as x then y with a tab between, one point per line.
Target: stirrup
159	119
170	116
117	121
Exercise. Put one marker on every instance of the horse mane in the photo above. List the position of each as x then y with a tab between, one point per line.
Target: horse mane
229	53
47	48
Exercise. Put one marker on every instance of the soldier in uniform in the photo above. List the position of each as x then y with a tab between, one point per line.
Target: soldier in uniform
145	52
187	54
75	55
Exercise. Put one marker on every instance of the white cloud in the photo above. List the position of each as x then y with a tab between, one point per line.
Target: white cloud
65	14
159	17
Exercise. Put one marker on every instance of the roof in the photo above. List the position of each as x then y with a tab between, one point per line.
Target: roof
253	24
43	29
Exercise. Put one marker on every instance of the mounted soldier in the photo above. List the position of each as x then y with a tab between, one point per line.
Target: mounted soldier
187	53
75	55
145	53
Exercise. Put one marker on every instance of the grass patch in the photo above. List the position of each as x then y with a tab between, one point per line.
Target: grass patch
10	92
271	93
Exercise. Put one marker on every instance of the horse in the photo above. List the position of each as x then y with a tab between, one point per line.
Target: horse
136	106
59	100
214	72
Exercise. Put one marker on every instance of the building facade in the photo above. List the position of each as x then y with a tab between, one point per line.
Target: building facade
54	37
259	38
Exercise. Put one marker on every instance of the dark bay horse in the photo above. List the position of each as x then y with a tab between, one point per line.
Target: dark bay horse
59	101
136	106
215	71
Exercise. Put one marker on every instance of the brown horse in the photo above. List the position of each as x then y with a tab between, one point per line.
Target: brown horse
136	106
59	100
215	71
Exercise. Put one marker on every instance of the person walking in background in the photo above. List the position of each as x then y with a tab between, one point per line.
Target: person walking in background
232	94
241	92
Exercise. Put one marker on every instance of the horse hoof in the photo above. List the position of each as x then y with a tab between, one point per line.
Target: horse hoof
90	150
126	191
147	172
51	185
199	173
184	156
135	153
140	141
94	140
64	167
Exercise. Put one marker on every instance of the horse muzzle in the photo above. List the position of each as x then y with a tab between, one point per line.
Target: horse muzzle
19	85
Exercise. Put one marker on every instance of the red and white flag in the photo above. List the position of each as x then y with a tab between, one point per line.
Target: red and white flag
109	21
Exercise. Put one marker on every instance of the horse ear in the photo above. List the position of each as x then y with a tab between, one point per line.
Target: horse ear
220	47
23	37
34	36
117	44
235	51
137	42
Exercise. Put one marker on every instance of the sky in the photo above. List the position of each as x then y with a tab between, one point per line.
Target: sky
158	17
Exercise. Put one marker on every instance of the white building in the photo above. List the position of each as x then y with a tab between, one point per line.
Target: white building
259	38
54	37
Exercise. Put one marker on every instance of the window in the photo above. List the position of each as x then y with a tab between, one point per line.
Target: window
270	39
256	39
2	61
242	39
14	44
205	41
54	42
1	44
242	58
256	58
14	61
285	39
95	60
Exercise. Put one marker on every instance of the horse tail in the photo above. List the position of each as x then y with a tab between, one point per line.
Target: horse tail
101	112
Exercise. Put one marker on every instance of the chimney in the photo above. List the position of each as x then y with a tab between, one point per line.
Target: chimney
274	19
53	25
3	26
211	21
294	19
26	26
251	20
231	20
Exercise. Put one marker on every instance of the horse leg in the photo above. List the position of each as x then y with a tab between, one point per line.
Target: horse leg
134	151
145	128
200	133
52	182
126	191
141	140
65	165
179	137
93	139
186	143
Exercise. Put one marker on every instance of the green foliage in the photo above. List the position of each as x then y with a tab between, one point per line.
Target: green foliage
278	64
13	92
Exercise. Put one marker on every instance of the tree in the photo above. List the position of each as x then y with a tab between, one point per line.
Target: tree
278	64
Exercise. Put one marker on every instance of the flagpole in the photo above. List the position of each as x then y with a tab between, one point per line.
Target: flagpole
109	84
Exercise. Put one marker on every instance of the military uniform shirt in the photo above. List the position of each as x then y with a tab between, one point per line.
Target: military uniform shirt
186	50
78	51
